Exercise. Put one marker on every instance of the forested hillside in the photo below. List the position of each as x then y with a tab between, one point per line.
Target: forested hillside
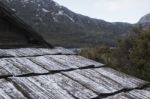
132	55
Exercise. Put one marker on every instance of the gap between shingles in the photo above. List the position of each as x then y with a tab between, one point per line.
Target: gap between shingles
19	89
39	74
52	72
1	57
103	95
125	90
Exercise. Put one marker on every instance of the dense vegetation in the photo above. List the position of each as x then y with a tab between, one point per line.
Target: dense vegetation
132	55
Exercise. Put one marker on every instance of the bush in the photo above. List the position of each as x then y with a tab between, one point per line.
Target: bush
132	55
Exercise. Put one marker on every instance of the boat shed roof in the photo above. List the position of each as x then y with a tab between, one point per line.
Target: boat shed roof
58	73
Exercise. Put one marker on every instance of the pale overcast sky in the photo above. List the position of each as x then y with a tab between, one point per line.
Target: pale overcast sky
109	10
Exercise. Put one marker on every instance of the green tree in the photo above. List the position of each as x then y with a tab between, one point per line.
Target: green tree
133	55
140	54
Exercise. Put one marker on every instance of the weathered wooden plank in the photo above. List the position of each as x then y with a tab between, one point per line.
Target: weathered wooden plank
3	53
140	94
147	87
72	87
30	89
40	88
74	61
94	86
52	87
4	95
43	64
26	52
26	63
4	72
119	96
63	62
16	68
19	66
49	64
9	91
87	61
125	80
33	51
62	50
8	68
134	94
104	81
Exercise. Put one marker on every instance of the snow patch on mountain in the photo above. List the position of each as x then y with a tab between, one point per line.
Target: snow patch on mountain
13	9
55	19
64	14
60	13
45	10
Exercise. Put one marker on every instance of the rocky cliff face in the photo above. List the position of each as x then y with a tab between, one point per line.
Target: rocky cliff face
62	27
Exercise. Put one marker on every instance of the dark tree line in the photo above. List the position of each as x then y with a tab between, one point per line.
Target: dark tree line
132	55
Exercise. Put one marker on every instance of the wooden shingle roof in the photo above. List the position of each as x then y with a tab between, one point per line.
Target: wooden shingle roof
57	73
43	73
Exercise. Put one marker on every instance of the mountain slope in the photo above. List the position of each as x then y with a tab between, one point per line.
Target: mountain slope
60	26
145	21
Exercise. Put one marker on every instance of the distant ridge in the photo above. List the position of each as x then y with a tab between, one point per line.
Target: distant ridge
145	21
60	26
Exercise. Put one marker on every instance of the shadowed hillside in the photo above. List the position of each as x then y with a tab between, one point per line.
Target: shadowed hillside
60	26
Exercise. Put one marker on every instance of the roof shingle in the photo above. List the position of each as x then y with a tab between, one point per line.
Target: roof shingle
61	74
